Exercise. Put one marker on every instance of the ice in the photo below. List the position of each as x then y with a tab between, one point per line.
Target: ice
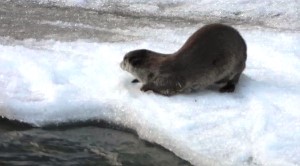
47	81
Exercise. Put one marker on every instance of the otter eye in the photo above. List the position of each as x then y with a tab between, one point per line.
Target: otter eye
136	60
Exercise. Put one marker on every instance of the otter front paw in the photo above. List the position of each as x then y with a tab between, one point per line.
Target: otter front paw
166	92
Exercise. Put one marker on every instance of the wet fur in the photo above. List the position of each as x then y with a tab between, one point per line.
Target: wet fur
213	55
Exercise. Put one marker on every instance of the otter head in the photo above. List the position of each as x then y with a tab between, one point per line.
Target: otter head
141	63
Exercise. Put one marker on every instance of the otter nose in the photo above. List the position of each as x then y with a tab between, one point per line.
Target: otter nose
122	65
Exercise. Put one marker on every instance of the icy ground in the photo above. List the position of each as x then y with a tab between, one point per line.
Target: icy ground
49	76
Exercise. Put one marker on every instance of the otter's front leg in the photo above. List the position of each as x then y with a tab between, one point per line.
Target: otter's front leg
151	86
165	89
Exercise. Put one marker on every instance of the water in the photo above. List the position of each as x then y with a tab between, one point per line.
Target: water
88	143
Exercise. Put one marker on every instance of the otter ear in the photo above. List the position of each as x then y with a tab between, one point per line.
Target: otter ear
150	76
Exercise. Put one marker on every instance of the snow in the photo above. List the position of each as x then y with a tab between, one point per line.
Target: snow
48	81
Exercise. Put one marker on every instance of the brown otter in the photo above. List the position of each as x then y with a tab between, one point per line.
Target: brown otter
213	55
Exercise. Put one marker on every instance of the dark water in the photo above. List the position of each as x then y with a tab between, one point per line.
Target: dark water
91	143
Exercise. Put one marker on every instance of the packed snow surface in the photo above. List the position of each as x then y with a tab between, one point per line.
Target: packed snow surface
48	81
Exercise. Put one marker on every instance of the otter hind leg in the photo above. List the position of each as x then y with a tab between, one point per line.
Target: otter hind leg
230	85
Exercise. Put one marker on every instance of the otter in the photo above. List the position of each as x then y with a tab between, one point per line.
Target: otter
214	55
